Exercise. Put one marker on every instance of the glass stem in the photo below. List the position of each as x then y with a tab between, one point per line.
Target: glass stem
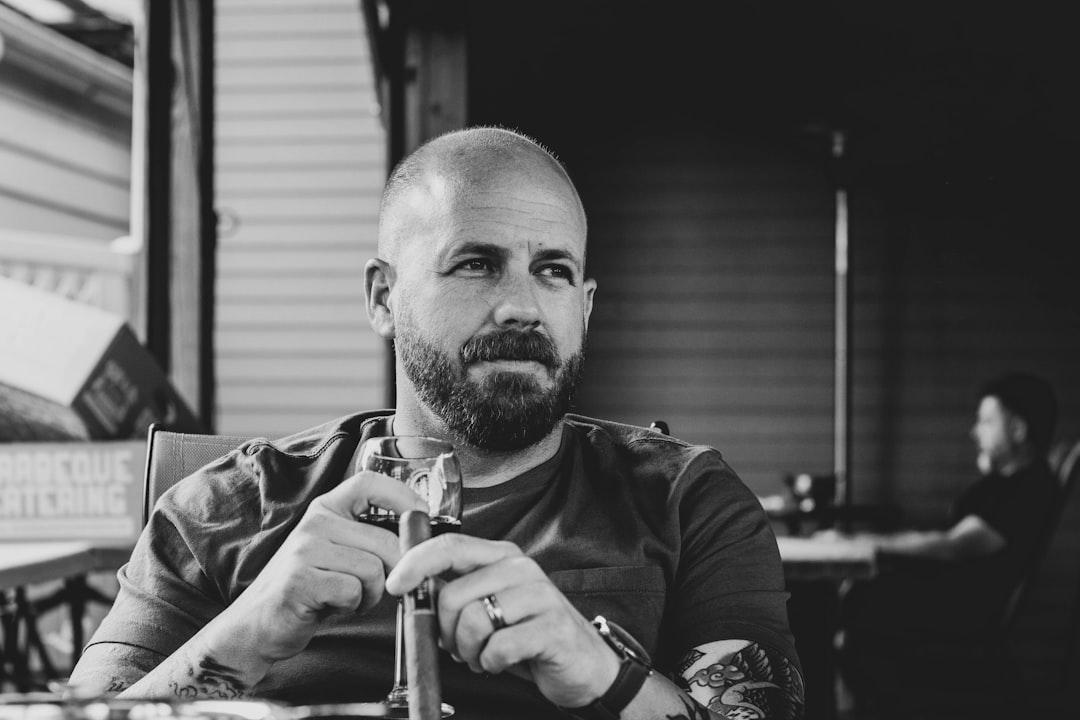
399	695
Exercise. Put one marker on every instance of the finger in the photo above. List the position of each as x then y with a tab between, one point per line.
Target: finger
487	580
471	632
339	591
306	554
559	650
519	603
467	592
450	553
513	648
356	494
366	568
349	533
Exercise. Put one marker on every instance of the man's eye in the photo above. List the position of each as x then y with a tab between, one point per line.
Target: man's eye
476	265
557	271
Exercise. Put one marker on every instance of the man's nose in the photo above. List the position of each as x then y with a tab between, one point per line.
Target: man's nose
516	304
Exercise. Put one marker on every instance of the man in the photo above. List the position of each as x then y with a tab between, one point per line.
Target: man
955	583
252	576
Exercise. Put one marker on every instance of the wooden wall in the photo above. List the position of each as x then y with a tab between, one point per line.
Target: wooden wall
65	135
714	257
948	294
697	140
714	311
299	169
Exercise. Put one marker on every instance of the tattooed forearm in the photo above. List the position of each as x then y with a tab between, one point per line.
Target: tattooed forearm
210	680
117	685
753	682
693	712
691	657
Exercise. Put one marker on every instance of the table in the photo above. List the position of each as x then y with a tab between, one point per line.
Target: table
781	509
29	563
834	559
814	568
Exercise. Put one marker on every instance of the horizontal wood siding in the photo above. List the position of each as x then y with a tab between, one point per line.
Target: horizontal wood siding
714	308
61	173
715	312
940	307
300	163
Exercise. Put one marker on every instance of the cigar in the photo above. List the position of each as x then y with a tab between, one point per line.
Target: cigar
421	629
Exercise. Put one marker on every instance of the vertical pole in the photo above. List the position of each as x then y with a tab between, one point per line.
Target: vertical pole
842	400
396	80
157	219
207	216
139	308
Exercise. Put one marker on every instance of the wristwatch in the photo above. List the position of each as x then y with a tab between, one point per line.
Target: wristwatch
633	672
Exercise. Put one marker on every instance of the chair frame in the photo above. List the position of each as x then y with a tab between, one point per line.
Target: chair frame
159	439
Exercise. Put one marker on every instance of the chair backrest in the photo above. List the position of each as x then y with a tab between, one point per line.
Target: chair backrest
172	456
1065	462
1049	609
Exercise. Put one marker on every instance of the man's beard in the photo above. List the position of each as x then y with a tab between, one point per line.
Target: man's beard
505	411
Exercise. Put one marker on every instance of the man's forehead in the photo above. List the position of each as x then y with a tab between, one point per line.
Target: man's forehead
991	405
438	211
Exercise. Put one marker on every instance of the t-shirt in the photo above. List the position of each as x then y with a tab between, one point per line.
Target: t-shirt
918	597
1019	508
660	536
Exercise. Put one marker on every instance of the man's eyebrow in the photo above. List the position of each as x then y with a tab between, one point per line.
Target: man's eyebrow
558	254
473	248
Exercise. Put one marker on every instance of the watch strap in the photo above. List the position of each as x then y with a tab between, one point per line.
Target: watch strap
633	672
628	683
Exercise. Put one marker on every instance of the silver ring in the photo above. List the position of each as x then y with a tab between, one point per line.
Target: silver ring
494	611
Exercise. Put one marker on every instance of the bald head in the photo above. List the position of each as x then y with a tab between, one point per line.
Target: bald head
431	181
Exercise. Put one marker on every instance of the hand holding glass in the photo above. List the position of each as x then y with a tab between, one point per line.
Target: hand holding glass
429	468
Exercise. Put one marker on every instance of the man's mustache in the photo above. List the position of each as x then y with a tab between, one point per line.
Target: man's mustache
510	345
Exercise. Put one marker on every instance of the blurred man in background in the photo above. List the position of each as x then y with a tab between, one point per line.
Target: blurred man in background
956	582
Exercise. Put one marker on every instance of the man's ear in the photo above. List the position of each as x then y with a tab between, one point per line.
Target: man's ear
590	290
1018	429
378	284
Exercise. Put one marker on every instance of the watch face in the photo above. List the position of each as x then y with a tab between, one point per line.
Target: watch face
620	640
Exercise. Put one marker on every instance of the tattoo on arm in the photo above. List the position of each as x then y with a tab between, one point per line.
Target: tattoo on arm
693	712
755	682
691	657
117	685
210	680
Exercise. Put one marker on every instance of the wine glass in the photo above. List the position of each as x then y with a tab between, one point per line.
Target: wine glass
429	468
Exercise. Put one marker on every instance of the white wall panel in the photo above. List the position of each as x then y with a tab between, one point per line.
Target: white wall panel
243	79
65	139
253	130
240	183
300	166
292	156
341	47
260	234
307	103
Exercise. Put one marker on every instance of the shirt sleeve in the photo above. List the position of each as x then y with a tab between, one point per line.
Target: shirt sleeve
164	597
181	573
730	580
211	534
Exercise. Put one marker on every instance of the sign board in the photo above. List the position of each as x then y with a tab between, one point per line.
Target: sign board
72	490
74	371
